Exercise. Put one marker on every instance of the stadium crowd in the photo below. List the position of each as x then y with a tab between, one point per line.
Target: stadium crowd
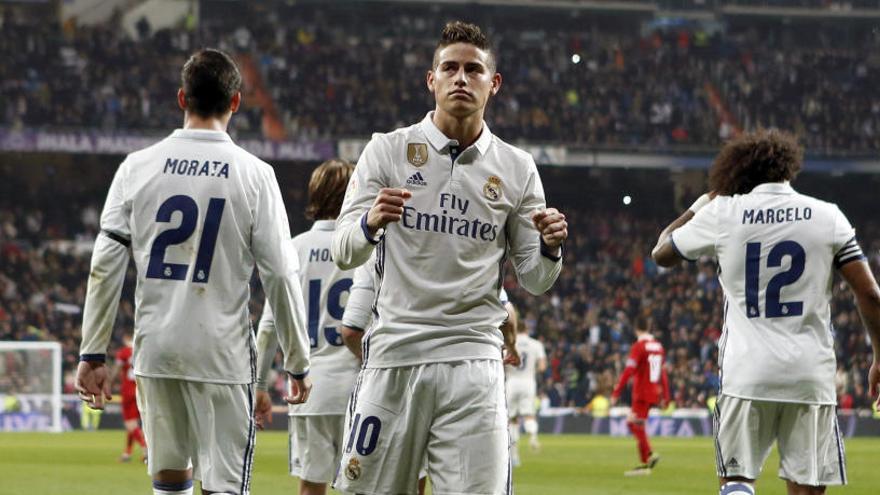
350	70
585	322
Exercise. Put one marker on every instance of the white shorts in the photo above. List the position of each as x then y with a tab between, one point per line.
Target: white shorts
452	414
206	426
521	398
315	446
808	437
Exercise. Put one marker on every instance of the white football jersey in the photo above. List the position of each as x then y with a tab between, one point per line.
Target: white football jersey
326	289
776	252
439	270
198	212
530	351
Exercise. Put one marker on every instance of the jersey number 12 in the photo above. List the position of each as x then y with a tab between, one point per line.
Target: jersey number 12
774	308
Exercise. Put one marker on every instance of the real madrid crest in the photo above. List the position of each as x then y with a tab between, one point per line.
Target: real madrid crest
492	188
353	470
417	153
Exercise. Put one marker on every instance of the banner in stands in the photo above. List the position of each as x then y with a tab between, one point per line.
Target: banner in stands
95	142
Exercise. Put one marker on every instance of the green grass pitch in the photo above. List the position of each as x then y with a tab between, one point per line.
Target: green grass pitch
86	463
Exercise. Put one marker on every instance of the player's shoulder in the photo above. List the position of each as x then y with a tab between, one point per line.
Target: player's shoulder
516	157
386	140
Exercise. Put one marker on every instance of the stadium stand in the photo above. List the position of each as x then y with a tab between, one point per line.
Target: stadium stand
592	79
589	79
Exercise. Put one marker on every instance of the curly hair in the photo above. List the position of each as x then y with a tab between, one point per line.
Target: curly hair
753	158
327	189
463	32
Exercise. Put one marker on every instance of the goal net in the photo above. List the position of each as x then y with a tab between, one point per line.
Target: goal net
30	386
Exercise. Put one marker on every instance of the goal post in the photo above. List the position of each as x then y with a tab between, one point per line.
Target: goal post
30	386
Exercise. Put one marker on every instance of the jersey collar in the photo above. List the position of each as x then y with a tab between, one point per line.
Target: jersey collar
774	188
442	143
328	225
201	134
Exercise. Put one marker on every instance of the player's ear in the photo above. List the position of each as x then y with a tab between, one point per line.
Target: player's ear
236	102
429	80
181	99
496	83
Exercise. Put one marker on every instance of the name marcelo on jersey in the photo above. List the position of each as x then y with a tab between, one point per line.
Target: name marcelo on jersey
776	215
447	223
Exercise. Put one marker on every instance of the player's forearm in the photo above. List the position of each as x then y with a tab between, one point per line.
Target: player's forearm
267	345
869	310
285	297
106	276
536	272
352	242
664	253
353	338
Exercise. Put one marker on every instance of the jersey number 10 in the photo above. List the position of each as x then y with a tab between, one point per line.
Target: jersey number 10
157	268
774	308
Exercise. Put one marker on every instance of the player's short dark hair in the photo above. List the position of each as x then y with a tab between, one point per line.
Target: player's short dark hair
210	79
327	189
753	158
463	32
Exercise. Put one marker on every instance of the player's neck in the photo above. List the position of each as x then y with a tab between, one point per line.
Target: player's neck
464	130
193	121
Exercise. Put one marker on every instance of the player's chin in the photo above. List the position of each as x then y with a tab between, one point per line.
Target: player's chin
459	107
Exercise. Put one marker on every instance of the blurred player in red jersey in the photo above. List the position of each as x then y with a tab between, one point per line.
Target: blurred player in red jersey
128	390
650	385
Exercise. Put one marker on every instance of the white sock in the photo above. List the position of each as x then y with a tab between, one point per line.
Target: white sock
531	427
737	488
162	488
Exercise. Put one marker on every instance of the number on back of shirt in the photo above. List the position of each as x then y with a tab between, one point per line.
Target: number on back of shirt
334	308
189	210
655	367
774	308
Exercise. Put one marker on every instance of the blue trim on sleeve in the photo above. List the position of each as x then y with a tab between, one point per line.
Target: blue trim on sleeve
366	230
545	252
356	329
93	358
299	376
677	251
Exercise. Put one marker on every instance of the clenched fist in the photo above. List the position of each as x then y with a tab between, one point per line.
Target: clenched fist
387	208
553	228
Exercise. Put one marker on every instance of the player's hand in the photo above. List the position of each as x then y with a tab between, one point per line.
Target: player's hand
552	226
613	401
263	409
511	356
388	208
874	383
93	384
299	390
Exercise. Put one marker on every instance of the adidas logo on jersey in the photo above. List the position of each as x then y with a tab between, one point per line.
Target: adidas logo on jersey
733	463
416	179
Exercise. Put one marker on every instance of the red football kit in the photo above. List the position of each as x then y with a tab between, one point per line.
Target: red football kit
128	388
650	383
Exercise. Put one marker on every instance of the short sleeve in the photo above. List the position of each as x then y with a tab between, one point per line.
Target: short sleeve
697	237
844	244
